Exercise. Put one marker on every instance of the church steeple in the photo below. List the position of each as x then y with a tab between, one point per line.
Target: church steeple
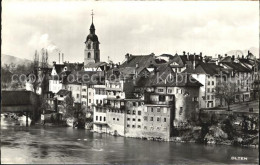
92	52
92	27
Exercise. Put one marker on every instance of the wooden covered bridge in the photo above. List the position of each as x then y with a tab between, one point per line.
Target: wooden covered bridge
23	102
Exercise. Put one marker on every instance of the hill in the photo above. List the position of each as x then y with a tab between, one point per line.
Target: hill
8	59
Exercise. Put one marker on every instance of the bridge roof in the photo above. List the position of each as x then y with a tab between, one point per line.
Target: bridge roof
14	98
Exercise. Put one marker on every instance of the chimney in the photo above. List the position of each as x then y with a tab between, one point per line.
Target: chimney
137	65
248	52
225	55
184	53
188	56
232	58
62	57
54	62
59	58
200	56
243	57
194	62
127	57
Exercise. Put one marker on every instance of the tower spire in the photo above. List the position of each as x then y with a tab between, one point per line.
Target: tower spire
92	15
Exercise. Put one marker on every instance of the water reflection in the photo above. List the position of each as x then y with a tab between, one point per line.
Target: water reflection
68	145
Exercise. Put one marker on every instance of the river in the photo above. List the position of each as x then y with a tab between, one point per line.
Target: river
38	144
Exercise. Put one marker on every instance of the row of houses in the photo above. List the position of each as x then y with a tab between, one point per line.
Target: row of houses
148	95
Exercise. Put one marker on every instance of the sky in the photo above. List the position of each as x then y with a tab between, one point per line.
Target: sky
138	28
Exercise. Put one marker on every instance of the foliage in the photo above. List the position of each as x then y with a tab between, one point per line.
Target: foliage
14	71
228	127
68	106
226	91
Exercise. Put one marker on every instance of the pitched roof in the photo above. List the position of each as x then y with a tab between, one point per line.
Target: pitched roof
166	77
142	60
95	65
16	98
63	92
236	66
86	77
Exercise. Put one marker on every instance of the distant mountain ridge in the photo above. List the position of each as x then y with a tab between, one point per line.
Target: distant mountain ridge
8	59
253	50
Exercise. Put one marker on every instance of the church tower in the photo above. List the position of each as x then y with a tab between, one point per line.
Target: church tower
92	53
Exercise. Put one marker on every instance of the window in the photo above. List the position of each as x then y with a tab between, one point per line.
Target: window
89	93
169	91
177	91
133	119
139	120
128	125
208	89
164	110
164	119
133	126
212	90
158	128
96	101
134	104
212	97
100	118
208	82
96	118
151	109
89	55
114	118
138	126
160	90
89	100
181	110
158	110
212	82
151	119
145	118
145	127
89	46
133	112
195	99
128	119
139	112
145	109
84	90
104	118
161	98
158	119
208	97
117	119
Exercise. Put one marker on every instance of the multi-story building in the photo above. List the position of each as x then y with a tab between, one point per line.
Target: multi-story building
208	75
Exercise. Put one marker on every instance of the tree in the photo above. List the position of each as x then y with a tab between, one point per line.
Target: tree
226	91
68	106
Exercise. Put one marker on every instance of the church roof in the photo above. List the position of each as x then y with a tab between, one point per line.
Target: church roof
92	37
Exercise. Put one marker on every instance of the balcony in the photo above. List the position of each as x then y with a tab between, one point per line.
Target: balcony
160	102
113	89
